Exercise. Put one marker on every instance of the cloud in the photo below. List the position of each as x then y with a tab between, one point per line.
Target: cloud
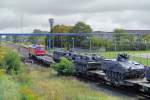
100	14
62	7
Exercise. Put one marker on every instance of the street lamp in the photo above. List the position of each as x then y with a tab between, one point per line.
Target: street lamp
53	42
73	43
145	44
90	43
115	45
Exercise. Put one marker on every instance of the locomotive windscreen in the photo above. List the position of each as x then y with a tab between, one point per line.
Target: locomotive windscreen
40	48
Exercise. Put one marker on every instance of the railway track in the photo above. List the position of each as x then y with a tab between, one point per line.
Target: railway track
129	92
24	53
99	85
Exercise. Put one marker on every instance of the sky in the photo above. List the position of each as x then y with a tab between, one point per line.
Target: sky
102	15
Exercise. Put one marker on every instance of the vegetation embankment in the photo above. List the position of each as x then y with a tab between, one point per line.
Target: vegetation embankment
20	82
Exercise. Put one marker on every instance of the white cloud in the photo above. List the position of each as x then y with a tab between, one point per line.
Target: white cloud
102	15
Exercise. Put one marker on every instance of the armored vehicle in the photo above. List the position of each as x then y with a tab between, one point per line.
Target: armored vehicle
85	63
57	55
121	68
147	73
70	55
97	58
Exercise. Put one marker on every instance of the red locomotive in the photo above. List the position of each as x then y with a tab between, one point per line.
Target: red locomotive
37	50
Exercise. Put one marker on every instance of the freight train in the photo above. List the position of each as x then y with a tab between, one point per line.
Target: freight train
117	72
36	50
38	53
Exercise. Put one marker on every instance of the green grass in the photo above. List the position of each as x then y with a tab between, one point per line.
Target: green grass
113	54
145	61
53	87
37	83
43	84
9	89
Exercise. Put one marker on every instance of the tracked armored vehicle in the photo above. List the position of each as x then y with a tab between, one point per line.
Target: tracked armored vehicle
57	55
121	68
68	54
85	63
147	74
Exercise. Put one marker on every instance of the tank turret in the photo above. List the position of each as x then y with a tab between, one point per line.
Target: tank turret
85	63
122	68
68	54
57	55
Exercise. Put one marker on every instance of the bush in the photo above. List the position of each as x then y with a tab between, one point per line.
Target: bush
12	63
64	67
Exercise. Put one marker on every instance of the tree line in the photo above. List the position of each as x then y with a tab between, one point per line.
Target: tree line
118	41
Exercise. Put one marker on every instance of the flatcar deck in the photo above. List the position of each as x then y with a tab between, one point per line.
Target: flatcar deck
142	84
97	74
137	81
45	59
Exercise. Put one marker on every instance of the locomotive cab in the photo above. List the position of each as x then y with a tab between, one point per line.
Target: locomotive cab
37	50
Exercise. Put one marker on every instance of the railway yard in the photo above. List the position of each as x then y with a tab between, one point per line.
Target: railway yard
74	50
96	79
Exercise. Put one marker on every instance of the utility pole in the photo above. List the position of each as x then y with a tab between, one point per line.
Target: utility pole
51	22
73	43
90	43
115	46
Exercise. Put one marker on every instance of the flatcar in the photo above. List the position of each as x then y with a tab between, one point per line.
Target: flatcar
37	50
119	72
148	74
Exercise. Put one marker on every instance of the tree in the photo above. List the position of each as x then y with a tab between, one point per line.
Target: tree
35	39
61	41
99	42
61	29
120	34
120	39
119	30
8	38
12	63
37	31
15	39
146	37
64	67
81	27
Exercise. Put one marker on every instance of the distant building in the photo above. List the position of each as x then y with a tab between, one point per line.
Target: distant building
109	35
138	31
103	34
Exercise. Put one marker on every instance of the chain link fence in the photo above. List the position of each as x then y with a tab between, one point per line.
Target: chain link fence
108	45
